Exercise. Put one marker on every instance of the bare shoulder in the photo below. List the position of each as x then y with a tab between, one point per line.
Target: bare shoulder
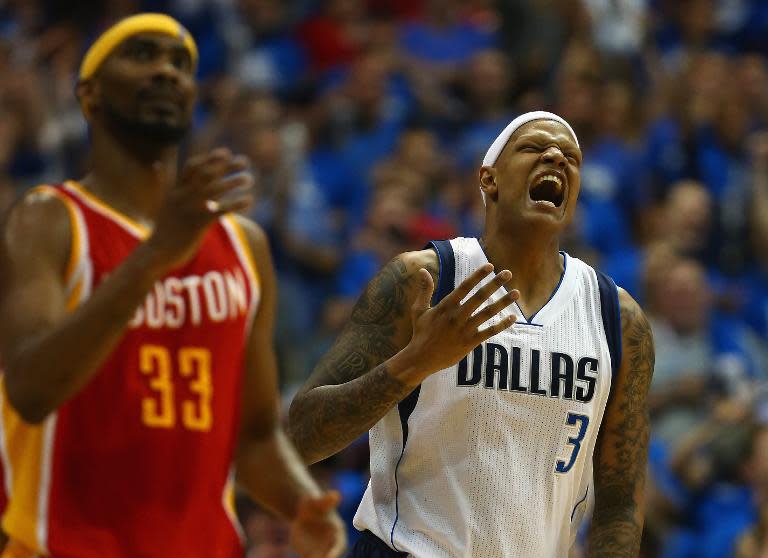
256	236
414	261
390	292
630	309
38	226
637	338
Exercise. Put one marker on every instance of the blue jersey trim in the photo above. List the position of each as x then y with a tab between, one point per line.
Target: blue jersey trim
405	409
529	321
446	280
445	284
611	314
579	503
551	296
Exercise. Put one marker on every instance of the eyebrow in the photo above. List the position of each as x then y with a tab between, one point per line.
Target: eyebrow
541	137
156	43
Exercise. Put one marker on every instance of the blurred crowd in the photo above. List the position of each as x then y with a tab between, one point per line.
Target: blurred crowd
366	121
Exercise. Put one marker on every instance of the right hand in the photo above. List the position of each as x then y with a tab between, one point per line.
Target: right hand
209	186
318	531
445	334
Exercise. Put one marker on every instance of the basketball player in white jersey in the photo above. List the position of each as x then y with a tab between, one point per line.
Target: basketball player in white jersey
488	410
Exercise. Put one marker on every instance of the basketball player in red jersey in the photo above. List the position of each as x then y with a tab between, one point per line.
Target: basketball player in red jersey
136	316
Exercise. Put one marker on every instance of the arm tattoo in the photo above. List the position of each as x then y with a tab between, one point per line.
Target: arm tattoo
351	388
620	461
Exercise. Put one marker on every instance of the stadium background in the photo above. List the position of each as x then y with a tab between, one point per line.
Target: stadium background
366	122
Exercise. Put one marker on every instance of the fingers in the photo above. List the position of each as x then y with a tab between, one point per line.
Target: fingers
201	172
466	286
319	505
241	202
219	182
338	549
479	318
484	293
424	296
488	332
328	501
239	180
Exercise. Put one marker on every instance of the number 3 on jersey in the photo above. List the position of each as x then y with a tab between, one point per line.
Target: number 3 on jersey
194	364
573	419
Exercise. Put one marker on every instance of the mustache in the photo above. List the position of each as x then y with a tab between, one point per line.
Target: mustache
165	91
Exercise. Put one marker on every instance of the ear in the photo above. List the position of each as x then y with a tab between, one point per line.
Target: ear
86	93
488	182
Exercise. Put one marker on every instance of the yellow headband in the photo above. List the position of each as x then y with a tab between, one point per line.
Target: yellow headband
141	23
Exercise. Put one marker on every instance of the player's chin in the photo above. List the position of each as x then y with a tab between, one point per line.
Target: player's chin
547	213
164	128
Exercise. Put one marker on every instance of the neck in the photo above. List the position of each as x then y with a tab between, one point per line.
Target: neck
533	259
131	179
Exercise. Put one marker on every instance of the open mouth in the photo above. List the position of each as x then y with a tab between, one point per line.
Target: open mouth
548	190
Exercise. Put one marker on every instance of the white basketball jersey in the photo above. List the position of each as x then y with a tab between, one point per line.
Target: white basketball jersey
492	457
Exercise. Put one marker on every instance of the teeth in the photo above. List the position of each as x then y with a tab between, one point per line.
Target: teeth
551	177
546	202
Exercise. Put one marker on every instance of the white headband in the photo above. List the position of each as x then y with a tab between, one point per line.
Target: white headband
498	144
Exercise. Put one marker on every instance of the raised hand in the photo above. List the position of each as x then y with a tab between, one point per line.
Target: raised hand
318	531
443	335
209	186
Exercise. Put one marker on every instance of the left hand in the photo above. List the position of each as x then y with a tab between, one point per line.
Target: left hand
318	531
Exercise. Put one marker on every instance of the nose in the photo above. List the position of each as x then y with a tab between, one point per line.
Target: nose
553	155
165	69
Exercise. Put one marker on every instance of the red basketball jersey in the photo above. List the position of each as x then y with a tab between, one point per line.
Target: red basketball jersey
139	463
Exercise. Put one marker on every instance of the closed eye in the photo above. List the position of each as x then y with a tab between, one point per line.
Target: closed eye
141	50
182	60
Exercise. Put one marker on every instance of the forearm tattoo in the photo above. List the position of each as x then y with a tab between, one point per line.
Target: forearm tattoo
617	524
350	389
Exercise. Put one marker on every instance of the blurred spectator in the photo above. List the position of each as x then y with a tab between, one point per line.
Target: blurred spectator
365	116
487	109
536	33
334	37
673	137
715	485
264	50
618	26
755	307
688	28
442	38
753	543
694	348
385	234
685	219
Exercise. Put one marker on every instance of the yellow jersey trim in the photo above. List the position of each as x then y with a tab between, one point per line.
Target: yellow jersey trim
90	199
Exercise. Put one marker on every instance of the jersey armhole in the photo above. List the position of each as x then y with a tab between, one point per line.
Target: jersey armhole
243	246
77	244
446	279
611	315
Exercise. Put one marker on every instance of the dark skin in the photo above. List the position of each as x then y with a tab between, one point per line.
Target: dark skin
394	340
137	102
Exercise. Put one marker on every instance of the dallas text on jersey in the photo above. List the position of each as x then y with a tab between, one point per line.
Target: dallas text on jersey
495	368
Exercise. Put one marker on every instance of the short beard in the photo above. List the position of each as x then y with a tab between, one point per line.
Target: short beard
133	129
